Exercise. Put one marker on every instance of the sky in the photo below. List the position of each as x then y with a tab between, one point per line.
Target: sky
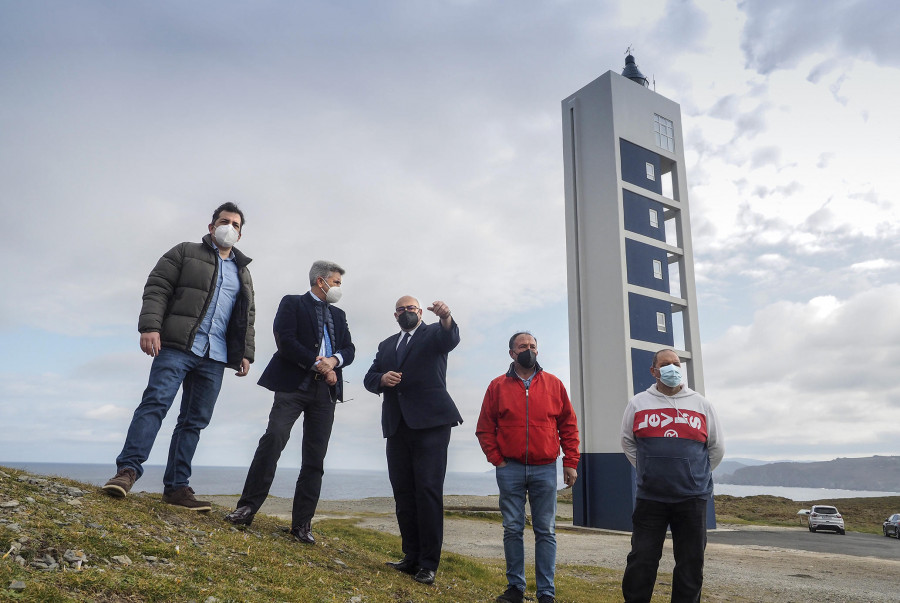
419	144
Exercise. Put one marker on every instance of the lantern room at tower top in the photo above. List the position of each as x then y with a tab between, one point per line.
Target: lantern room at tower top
630	271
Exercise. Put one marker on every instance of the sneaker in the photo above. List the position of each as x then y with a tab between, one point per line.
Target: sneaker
546	599
120	484
184	497
511	595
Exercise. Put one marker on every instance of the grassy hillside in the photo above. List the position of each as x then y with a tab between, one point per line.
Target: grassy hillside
860	514
65	541
69	542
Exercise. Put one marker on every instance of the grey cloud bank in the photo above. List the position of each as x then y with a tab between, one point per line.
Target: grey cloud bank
419	145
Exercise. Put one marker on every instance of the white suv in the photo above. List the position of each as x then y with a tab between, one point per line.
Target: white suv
824	517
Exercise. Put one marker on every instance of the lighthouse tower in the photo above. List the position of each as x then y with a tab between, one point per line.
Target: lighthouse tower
630	271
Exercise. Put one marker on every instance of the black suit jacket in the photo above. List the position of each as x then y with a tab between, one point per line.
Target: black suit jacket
421	397
298	340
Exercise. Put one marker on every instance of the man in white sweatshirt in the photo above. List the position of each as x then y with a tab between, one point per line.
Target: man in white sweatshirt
671	435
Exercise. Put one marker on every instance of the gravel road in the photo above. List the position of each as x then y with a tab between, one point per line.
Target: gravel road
733	572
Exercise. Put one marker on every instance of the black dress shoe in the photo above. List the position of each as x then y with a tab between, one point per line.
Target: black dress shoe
303	533
425	576
405	565
242	516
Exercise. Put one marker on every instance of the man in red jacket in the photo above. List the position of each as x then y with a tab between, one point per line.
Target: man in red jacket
525	417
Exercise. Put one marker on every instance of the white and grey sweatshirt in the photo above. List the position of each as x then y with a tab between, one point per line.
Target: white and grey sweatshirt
674	443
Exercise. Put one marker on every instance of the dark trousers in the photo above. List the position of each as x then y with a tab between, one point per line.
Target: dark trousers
318	417
687	520
417	463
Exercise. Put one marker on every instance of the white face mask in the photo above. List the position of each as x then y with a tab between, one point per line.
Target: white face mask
333	295
226	235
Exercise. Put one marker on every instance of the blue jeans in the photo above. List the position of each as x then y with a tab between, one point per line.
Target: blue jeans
201	379
687	520
539	482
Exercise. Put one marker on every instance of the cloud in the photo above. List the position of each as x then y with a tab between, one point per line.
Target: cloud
877	264
821	70
751	123
779	34
726	107
419	146
824	160
685	17
824	364
107	412
765	156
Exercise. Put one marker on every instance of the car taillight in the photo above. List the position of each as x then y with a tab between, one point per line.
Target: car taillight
838	516
813	514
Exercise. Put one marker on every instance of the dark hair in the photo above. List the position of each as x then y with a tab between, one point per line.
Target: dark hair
512	340
230	208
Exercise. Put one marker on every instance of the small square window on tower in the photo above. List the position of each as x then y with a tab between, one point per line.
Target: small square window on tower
657	269
654	218
660	322
664	130
651	173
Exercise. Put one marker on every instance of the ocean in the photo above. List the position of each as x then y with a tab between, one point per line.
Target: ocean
345	484
337	484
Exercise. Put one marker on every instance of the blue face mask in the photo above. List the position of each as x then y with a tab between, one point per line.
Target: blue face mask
670	375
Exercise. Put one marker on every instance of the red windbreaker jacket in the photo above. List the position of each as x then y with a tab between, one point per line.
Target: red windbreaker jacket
528	426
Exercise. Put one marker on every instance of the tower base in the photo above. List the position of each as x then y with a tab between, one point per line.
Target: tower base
604	493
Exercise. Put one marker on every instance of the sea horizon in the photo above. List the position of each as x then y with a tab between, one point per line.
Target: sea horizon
337	484
354	484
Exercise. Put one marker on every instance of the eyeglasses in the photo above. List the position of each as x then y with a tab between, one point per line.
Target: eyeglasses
407	308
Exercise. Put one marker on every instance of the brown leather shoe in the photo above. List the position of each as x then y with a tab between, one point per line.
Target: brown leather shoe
184	497
303	533
120	484
242	516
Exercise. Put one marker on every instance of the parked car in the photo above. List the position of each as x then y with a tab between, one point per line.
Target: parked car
891	525
825	517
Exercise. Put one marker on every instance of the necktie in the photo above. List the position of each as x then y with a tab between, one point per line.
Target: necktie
328	350
324	317
401	349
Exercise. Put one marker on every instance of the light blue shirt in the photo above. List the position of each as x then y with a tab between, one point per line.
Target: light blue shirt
211	333
527	382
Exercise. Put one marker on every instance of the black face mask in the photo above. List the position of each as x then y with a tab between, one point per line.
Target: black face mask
526	358
408	320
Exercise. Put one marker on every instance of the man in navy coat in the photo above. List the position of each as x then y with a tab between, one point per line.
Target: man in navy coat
417	414
314	344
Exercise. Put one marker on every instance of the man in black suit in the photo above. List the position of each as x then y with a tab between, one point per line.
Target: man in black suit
314	344
417	413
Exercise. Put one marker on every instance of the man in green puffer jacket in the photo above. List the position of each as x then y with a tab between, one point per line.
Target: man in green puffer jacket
196	320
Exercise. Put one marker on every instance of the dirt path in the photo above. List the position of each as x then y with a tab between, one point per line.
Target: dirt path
756	573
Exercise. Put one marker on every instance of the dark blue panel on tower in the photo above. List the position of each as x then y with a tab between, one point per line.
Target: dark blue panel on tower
645	263
638	216
603	496
634	166
641	361
642	317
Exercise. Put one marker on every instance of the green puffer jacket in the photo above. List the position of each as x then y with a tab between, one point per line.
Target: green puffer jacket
179	290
